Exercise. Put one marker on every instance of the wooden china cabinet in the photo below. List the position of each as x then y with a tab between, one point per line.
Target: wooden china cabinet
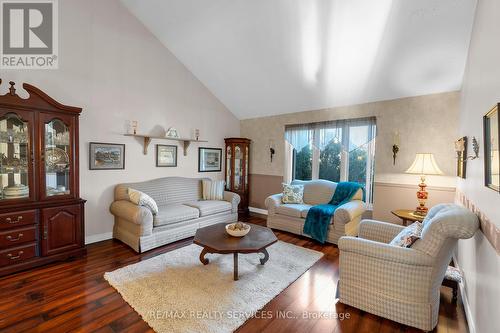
237	164
41	212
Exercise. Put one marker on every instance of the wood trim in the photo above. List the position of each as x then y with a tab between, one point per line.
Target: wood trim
490	230
414	186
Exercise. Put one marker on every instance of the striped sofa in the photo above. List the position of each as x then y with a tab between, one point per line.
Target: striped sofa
402	284
181	211
291	217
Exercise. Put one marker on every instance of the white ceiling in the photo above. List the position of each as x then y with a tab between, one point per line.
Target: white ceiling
266	57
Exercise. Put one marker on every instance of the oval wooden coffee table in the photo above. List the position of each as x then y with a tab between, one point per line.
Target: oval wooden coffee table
215	239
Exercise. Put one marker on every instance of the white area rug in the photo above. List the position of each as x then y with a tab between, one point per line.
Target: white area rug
174	292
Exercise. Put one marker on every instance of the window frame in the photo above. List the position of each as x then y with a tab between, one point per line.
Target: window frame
344	158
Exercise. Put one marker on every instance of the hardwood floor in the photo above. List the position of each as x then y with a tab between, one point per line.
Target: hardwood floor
73	296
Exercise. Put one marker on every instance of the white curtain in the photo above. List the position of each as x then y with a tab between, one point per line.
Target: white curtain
352	134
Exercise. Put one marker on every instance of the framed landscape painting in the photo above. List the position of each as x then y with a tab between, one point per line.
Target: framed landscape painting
209	159
106	156
491	129
166	156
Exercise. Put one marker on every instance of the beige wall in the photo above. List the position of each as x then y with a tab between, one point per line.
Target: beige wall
114	68
426	124
481	90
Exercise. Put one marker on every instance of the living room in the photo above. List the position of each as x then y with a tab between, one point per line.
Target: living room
137	137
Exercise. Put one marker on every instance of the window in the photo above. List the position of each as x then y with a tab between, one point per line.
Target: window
341	150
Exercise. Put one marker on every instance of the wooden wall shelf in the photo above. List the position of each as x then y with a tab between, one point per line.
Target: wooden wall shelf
147	140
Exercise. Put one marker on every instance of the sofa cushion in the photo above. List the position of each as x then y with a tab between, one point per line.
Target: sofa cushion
294	210
292	194
213	189
142	199
317	192
320	191
408	235
174	213
209	207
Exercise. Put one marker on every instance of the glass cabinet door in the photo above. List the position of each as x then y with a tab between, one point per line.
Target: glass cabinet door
238	167
15	157
57	158
228	168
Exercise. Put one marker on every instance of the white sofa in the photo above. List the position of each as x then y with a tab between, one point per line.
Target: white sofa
181	211
291	217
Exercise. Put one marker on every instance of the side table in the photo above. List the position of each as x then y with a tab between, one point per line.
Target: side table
406	215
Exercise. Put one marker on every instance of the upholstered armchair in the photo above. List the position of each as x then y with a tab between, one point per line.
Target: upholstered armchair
402	284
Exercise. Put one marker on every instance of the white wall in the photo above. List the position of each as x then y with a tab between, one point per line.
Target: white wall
481	90
115	69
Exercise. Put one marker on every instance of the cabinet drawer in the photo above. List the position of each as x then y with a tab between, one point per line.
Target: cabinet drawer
14	237
15	219
18	254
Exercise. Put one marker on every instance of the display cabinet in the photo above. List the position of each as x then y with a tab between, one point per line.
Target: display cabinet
237	169
41	212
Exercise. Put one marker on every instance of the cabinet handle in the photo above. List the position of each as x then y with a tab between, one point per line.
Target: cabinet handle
19	254
45	232
9	238
10	221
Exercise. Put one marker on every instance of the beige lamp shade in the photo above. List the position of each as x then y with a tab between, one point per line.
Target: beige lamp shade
424	164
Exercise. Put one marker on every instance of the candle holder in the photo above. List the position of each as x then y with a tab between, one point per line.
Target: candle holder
395	150
395	147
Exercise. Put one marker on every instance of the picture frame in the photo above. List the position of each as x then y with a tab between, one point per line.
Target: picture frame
209	159
106	156
461	149
166	155
491	131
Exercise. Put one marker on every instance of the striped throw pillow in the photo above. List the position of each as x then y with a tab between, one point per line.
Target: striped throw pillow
213	189
142	199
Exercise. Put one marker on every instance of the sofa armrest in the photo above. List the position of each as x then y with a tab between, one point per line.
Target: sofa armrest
348	211
131	212
234	199
378	231
384	252
272	202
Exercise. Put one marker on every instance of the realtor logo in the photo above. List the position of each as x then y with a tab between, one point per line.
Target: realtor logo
29	34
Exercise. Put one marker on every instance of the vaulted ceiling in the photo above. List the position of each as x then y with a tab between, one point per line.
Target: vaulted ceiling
267	57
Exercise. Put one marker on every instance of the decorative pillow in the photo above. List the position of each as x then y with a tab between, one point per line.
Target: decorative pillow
293	194
213	189
142	199
453	274
408	235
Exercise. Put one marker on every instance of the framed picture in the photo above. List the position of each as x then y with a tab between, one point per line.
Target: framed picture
209	159
106	156
461	149
166	156
491	129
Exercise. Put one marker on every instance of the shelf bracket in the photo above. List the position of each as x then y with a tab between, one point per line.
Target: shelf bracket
147	141
186	146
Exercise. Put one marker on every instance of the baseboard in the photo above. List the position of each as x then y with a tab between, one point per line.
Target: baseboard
465	302
258	210
97	238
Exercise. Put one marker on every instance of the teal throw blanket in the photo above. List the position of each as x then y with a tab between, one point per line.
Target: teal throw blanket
319	217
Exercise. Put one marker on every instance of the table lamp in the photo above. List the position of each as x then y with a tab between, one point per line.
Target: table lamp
424	164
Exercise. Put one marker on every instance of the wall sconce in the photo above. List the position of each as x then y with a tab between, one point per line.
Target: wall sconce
272	149
461	147
395	147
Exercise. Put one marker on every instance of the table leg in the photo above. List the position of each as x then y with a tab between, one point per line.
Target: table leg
204	260
235	273
266	257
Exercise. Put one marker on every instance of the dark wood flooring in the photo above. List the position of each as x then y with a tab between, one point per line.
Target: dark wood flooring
73	296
